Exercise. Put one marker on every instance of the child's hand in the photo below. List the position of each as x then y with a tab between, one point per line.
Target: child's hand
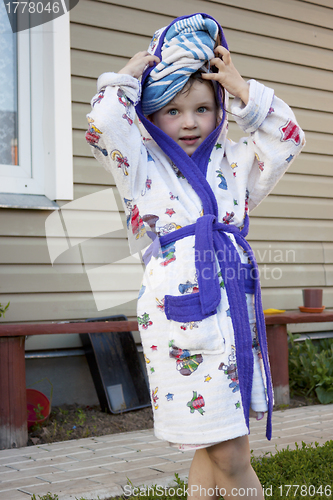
136	66
228	75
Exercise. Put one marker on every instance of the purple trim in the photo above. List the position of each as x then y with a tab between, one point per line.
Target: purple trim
211	235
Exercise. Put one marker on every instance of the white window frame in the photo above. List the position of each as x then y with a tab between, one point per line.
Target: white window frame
44	114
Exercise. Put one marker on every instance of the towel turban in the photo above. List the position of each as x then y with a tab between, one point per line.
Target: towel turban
187	46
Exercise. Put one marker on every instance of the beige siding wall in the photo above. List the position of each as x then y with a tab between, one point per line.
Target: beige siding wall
286	44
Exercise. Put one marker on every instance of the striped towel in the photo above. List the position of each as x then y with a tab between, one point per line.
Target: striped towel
188	44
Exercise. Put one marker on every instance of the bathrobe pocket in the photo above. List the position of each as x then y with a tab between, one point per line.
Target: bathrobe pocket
190	331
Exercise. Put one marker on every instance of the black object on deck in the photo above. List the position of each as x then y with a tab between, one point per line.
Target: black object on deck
116	369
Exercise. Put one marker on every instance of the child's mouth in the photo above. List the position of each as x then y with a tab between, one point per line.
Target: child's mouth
189	140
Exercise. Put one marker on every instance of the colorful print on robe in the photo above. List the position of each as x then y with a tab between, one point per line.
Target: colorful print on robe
152	44
144	321
290	132
123	99
147	187
134	219
99	97
168	228
167	253
223	182
196	403
93	136
231	370
234	166
189	287
151	220
122	161
247	195
142	291
177	171
154	397
261	164
185	363
255	342
160	304
189	325
228	217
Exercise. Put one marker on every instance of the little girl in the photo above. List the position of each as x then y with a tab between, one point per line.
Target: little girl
187	190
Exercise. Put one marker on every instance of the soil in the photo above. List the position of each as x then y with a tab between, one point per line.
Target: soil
75	422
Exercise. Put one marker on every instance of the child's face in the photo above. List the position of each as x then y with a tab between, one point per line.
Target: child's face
190	117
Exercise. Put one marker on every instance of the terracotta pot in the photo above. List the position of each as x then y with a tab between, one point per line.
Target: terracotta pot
312	297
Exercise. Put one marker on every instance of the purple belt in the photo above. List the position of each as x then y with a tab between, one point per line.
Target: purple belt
211	242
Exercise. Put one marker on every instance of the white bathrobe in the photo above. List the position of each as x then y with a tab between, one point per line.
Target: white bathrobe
191	365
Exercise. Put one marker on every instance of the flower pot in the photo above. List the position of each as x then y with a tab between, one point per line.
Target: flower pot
312	297
37	414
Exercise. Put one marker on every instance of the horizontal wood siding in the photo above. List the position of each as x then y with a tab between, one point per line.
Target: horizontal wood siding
285	44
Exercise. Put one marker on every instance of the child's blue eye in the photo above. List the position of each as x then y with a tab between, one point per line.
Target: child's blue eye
202	109
173	112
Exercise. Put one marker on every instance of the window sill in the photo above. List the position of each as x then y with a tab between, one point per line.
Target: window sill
27	201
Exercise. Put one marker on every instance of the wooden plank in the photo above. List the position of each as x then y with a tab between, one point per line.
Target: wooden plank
298	317
13	423
291	298
280	252
120	43
287	275
328	253
312	165
133	20
297	97
263	229
306	185
322	3
107	41
113	278
91	174
70	328
329	275
66	306
27	250
284	9
293	207
282	72
91	64
23	222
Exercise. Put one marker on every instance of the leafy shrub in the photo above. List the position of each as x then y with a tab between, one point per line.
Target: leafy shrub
307	466
311	368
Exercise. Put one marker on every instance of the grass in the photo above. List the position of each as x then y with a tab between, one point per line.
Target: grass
303	473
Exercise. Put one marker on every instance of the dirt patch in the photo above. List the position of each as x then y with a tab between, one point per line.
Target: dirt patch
75	422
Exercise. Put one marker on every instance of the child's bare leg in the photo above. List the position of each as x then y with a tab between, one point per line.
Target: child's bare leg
227	467
201	478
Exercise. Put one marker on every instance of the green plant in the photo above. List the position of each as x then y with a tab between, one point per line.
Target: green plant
82	417
48	496
308	466
311	368
3	309
38	412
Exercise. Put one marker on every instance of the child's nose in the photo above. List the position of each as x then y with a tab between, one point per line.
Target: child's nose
189	120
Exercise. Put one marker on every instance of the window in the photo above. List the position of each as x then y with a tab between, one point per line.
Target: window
35	110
